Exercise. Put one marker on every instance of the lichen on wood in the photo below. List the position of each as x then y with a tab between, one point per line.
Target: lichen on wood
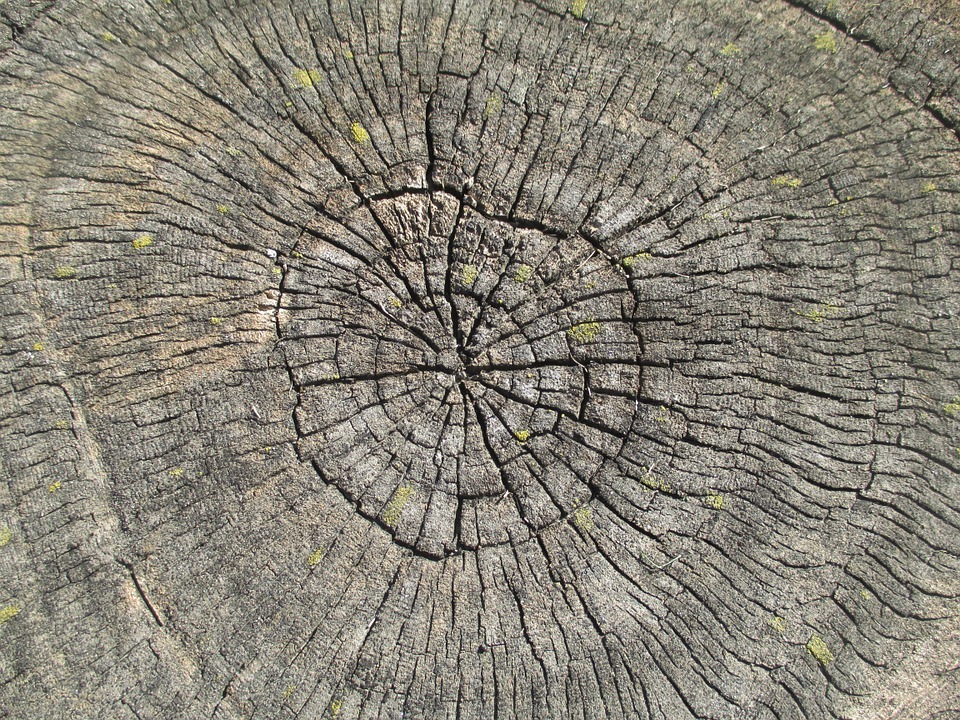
479	360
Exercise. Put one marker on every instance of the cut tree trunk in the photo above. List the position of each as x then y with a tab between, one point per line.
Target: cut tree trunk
533	360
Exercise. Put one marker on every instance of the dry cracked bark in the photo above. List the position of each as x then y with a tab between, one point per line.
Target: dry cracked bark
471	361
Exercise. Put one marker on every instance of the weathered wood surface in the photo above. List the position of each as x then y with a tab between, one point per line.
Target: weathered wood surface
472	361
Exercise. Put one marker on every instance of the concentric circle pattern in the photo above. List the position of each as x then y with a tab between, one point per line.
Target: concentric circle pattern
478	360
462	381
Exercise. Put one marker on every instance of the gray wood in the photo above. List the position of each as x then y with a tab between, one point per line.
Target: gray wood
479	360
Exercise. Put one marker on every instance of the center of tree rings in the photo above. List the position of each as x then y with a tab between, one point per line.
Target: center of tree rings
463	380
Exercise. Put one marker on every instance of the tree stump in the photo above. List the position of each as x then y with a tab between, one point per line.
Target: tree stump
465	360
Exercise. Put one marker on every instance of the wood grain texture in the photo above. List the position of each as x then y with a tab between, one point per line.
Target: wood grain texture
479	360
